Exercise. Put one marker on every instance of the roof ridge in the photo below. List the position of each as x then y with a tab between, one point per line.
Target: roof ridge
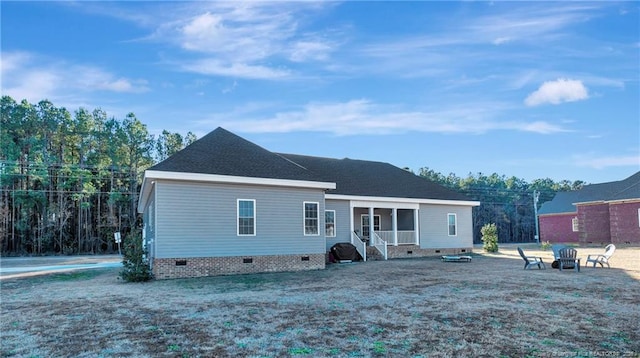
289	160
336	159
306	156
634	182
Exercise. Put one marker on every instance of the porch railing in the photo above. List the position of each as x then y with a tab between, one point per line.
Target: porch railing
404	237
361	247
380	244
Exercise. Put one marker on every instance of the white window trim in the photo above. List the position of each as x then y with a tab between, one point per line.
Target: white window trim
304	218
575	224
638	217
455	226
334	223
255	214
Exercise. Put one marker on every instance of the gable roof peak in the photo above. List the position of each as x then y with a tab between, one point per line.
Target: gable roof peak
224	153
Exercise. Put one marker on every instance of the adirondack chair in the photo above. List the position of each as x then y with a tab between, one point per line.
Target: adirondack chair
530	261
602	259
556	250
568	259
556	254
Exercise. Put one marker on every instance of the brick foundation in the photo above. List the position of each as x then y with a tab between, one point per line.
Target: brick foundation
214	266
409	251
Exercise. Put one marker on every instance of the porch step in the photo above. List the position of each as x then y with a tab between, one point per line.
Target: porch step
373	254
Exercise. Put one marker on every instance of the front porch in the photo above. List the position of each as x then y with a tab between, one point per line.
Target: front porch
379	225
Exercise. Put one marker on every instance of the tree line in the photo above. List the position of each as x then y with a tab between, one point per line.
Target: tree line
505	201
68	181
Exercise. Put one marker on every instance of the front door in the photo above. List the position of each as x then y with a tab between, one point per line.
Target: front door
364	224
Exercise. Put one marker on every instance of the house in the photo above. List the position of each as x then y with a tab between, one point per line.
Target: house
224	205
598	213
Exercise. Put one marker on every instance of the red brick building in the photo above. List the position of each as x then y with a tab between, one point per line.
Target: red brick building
598	213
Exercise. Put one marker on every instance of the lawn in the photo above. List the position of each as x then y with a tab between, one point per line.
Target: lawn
400	308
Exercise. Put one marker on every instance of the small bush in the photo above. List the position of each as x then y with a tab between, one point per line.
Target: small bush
135	264
545	245
490	237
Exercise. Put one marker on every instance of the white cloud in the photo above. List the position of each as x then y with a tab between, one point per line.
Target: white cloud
230	88
95	79
34	85
11	61
203	26
245	40
32	77
603	162
540	127
502	40
228	35
311	49
558	91
362	116
240	70
529	23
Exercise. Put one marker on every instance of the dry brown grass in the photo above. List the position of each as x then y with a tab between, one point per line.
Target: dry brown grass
402	308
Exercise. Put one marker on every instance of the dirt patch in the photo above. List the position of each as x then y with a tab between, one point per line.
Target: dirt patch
399	308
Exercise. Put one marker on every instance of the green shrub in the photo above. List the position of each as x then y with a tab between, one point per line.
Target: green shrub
545	245
490	237
135	264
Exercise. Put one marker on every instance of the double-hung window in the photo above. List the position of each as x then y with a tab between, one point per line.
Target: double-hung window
574	224
452	222
330	223
246	217
311	218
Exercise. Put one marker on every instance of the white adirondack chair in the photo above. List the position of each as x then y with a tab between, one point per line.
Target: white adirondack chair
602	259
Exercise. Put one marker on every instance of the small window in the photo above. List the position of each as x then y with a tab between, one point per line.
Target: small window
453	224
246	217
311	219
574	224
330	223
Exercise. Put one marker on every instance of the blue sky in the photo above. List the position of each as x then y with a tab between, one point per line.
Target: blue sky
529	89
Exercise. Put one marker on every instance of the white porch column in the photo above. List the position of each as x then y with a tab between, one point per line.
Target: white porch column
371	230
394	222
416	227
351	224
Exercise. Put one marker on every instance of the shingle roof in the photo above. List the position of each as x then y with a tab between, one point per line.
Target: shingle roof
224	153
628	188
368	178
562	202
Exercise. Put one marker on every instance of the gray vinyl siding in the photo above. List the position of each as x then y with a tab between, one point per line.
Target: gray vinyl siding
200	220
434	226
343	233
